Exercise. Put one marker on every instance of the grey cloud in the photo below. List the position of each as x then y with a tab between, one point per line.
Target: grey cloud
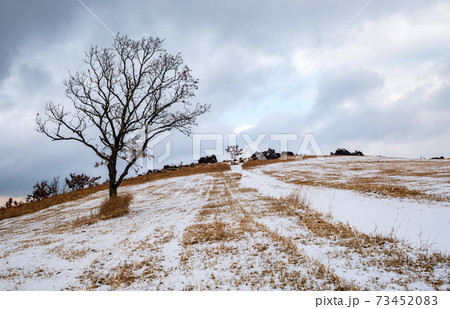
31	22
419	116
339	84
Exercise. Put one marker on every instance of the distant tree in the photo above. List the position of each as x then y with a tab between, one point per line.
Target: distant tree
129	94
44	189
10	203
234	152
80	181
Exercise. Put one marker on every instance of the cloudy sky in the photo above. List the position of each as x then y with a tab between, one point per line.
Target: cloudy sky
372	76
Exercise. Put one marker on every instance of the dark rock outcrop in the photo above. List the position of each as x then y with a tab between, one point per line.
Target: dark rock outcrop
345	152
269	154
438	158
287	154
208	159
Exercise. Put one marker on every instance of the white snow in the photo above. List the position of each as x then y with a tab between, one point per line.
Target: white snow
43	251
419	223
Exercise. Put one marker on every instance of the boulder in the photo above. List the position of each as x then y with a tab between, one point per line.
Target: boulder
208	159
269	154
345	152
287	154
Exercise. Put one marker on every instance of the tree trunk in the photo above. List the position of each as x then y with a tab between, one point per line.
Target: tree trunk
112	190
112	178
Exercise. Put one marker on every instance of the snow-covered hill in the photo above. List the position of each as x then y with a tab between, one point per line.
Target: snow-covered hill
292	225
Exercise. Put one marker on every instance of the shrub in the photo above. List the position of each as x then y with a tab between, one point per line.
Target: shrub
80	181
11	203
115	206
44	189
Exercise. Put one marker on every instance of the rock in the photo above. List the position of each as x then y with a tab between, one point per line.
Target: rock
269	154
208	159
345	152
258	156
287	154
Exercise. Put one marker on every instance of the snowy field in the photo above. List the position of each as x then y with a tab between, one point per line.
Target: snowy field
300	225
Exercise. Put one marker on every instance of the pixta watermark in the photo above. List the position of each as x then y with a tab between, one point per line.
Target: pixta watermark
216	144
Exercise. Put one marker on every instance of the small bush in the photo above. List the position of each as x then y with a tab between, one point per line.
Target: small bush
12	203
80	181
115	207
44	189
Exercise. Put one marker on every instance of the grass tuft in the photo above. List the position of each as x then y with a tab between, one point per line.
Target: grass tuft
110	208
115	207
207	232
254	163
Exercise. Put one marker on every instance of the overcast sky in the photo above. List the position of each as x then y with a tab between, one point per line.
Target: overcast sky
376	80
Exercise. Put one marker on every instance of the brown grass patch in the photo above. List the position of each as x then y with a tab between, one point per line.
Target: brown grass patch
48	202
69	254
381	251
207	232
230	224
400	178
119	277
110	208
115	207
185	171
254	163
378	184
370	185
79	194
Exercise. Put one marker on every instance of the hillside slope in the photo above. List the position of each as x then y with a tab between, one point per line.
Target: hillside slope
264	228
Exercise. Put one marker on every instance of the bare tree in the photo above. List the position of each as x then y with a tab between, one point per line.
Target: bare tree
234	152
129	93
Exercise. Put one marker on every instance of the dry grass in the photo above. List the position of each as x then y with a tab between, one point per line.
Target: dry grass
48	202
208	232
69	254
224	226
121	276
255	163
384	252
185	171
79	194
115	207
110	208
379	185
370	185
402	178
